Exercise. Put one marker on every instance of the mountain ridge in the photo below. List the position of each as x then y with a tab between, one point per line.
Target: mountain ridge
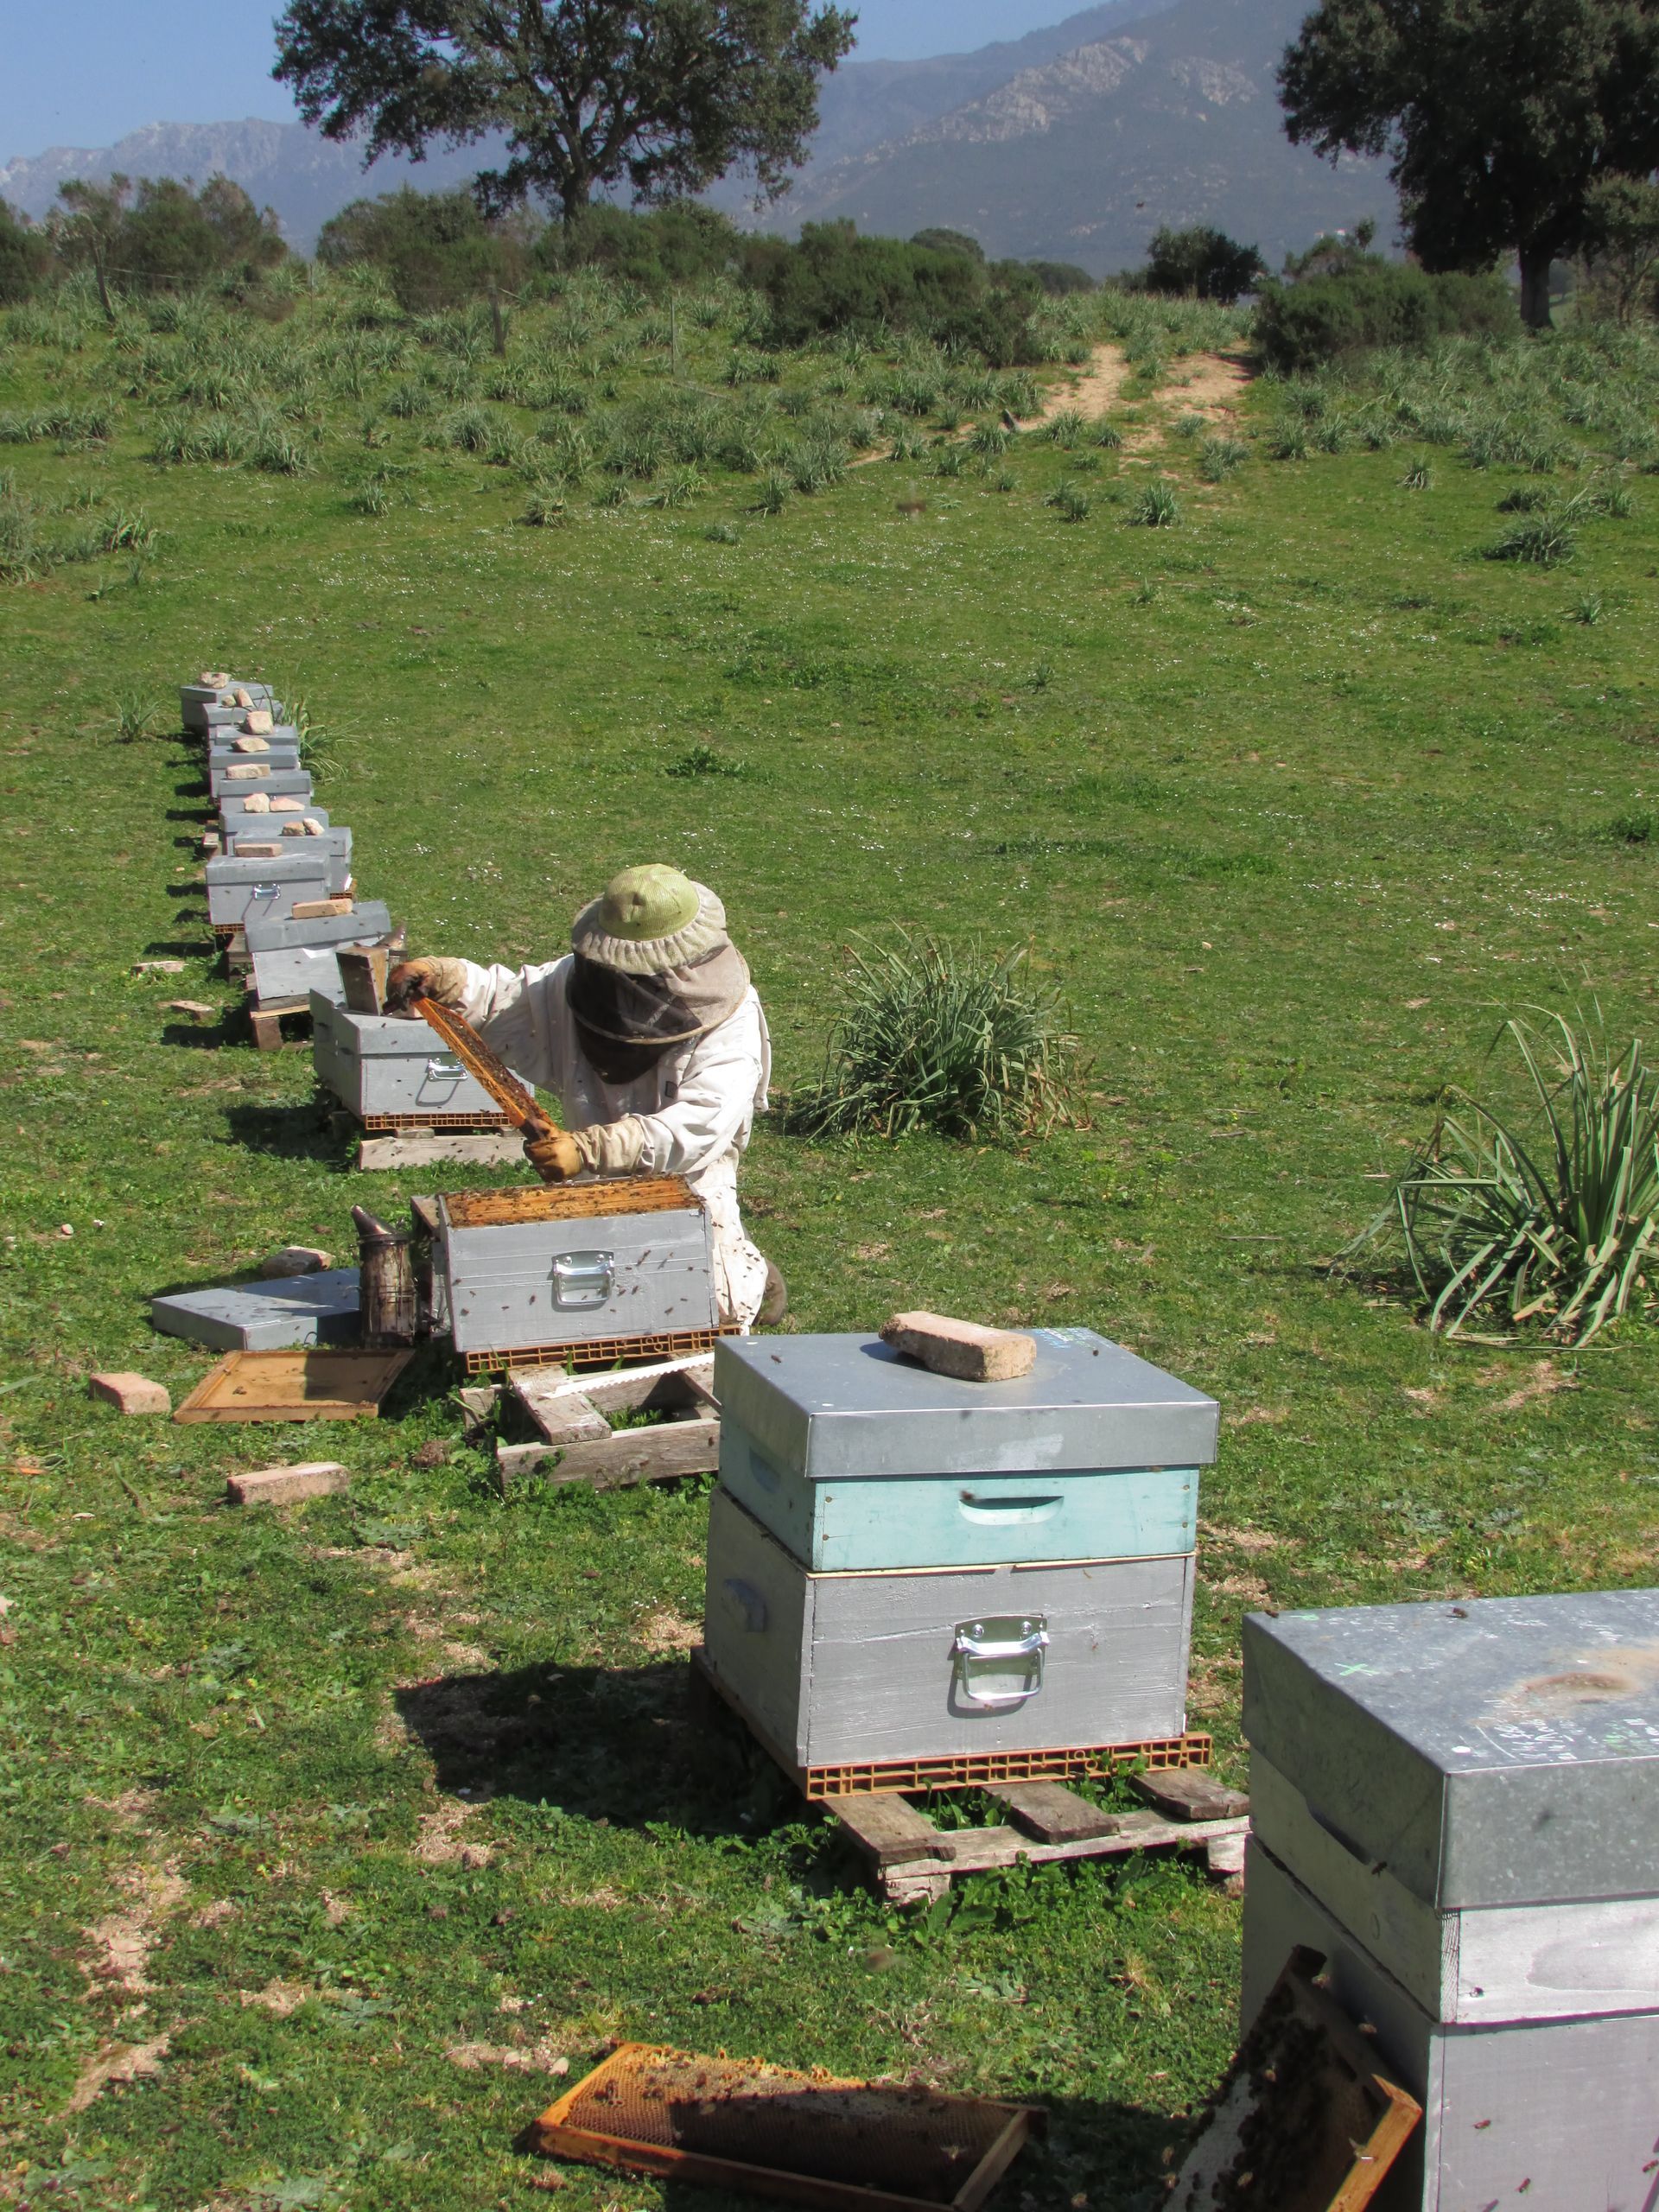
1073	143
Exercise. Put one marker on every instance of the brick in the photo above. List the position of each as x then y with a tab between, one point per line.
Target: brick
962	1349
284	1485
248	850
215	678
316	909
158	967
240	771
296	1260
198	1009
263	803
311	826
130	1393
252	745
242	695
258	722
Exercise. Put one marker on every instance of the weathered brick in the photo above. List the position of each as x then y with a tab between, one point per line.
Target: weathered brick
316	909
962	1349
258	722
263	803
197	1009
283	1485
130	1393
158	967
296	1260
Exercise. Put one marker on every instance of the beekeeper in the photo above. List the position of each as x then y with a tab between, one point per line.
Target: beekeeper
651	1035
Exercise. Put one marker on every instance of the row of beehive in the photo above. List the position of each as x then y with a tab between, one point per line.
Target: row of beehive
279	878
904	1567
278	871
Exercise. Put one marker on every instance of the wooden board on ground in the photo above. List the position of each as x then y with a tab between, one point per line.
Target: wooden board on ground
304	1385
1053	1814
913	1862
562	1416
620	1458
1304	2121
1190	1794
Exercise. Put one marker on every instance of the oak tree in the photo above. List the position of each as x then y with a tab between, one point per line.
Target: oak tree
661	97
1500	117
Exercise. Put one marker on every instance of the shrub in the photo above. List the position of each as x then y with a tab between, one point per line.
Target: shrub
1064	427
1373	304
1202	263
989	439
168	236
1555	1219
1157	507
1634	827
1070	500
436	249
831	279
139	714
1419	477
25	255
933	1038
721	533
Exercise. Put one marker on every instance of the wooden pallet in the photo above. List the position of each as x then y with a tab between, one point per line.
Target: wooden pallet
1161	1755
578	1445
913	1862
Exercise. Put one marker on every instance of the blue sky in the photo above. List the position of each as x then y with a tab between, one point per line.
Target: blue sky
81	73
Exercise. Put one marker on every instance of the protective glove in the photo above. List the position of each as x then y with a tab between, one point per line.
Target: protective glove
554	1157
613	1148
442	980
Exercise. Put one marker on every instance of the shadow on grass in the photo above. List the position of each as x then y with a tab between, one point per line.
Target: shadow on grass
294	1132
205	1036
179	947
616	1744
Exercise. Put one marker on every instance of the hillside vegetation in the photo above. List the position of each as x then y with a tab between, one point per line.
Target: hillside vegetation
337	1838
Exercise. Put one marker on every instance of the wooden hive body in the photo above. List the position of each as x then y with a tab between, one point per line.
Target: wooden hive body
884	1666
524	1269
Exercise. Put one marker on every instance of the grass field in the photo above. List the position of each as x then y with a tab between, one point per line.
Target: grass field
331	1836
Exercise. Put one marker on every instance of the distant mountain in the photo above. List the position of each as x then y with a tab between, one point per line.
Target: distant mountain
1073	143
305	177
1171	117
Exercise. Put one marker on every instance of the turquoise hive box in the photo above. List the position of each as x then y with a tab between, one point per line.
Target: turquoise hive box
859	1461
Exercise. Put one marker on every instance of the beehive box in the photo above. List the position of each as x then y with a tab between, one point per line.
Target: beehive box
280	750
289	976
203	707
246	774
626	1265
943	1663
855	1458
334	844
368	923
238	890
1457	1803
391	1067
236	820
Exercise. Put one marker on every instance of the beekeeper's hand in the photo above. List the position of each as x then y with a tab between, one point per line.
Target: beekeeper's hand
555	1156
442	980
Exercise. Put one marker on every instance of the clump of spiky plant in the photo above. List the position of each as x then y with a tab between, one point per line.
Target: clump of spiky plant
1157	507
1553	1221
931	1036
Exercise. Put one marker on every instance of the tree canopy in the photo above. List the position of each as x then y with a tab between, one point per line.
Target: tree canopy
164	235
1500	117
660	96
1202	263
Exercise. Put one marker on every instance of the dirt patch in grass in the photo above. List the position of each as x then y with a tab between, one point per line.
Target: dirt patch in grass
281	1997
119	1946
529	2058
663	1630
1544	1380
1210	384
116	2063
439	1842
1093	390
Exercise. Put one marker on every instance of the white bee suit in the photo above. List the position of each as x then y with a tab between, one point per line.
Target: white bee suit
691	1114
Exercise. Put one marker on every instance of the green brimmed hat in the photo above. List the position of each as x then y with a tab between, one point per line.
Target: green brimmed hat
648	920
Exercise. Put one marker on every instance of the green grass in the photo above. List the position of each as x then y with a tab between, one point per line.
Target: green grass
1309	793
